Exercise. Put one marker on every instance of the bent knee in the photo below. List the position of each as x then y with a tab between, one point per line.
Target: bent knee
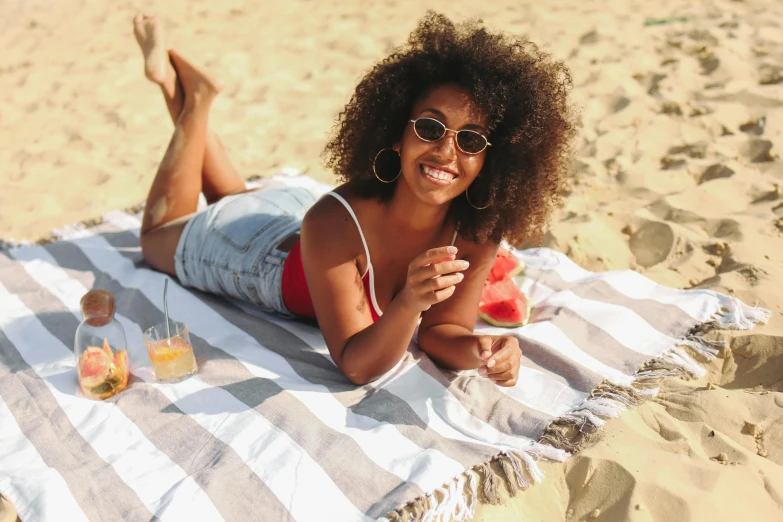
158	247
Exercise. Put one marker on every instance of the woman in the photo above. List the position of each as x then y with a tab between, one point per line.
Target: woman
449	145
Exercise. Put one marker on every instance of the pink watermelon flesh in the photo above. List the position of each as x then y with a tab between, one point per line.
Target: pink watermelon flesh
502	290
506	265
506	314
503	304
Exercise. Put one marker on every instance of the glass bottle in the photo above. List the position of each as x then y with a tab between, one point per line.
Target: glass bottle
100	348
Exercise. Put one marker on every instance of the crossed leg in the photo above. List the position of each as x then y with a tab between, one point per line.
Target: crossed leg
195	160
219	178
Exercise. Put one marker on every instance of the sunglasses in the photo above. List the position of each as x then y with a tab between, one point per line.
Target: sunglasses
468	141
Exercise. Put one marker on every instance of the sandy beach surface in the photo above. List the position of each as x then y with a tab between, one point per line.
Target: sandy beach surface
678	176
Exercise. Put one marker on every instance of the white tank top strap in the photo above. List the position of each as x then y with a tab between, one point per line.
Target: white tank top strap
347	206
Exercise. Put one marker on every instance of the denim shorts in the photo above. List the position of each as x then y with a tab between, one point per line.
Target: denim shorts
230	248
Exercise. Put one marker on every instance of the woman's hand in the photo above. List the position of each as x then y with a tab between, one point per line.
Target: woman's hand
501	355
432	278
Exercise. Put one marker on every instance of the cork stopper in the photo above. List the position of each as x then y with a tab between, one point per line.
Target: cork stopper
97	307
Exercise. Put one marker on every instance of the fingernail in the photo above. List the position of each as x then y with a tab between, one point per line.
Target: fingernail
460	276
464	264
451	250
482	371
491	363
485	355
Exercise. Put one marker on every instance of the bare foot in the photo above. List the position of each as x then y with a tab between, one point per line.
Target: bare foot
157	67
197	84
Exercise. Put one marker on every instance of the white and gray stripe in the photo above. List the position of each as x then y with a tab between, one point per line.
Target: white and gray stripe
269	429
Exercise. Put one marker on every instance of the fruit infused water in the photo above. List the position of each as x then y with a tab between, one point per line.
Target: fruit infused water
172	357
99	347
102	373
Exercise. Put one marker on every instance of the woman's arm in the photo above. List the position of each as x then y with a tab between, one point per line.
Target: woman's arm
364	350
446	331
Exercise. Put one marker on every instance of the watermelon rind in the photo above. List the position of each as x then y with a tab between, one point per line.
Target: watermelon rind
489	320
499	324
518	270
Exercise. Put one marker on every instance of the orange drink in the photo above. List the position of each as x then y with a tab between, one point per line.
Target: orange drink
172	357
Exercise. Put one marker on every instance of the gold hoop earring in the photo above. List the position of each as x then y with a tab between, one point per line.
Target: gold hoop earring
472	205
376	172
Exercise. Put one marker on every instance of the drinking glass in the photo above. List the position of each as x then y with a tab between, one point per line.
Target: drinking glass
170	351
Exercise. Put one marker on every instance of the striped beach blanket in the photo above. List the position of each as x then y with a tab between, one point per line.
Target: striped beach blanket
269	429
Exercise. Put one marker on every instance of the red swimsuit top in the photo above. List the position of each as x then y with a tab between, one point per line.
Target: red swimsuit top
296	295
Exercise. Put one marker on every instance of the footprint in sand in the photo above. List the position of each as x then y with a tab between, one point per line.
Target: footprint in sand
692	150
770	75
671	108
758	151
670	163
727	229
755	127
768	195
589	37
652	243
716	171
651	81
709	62
704	36
700	110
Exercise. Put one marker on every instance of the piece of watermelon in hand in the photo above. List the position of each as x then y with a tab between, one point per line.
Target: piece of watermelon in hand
506	265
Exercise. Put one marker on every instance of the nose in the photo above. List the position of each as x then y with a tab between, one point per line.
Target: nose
447	144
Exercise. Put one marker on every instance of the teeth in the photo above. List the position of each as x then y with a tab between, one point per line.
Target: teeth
438	174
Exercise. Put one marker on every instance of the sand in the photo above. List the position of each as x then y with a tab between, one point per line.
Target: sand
678	176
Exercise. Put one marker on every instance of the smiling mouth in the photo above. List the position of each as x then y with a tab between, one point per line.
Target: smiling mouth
438	176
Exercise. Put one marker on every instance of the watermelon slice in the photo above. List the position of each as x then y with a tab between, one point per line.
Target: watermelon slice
506	265
502	290
503	304
506	314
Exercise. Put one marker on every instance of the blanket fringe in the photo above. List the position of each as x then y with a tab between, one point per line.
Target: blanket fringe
572	431
736	315
518	470
458	499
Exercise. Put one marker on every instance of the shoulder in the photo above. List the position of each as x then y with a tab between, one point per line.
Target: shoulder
328	212
327	207
328	228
